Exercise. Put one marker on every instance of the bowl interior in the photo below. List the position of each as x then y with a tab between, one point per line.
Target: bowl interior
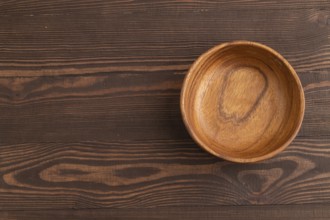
242	102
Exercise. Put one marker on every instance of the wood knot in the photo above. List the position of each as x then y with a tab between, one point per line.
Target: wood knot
242	90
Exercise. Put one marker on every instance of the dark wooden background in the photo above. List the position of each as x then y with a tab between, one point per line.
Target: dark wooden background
90	125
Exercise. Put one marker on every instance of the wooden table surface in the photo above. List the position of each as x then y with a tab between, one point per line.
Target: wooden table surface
90	125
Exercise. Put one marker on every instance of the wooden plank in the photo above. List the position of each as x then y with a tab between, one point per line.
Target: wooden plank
294	212
122	106
144	174
76	44
23	7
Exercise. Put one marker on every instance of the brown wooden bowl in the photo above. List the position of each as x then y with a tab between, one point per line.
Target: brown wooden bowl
242	101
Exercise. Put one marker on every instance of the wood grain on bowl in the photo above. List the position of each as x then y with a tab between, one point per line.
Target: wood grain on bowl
242	101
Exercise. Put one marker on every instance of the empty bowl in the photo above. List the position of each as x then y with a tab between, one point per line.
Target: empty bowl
242	101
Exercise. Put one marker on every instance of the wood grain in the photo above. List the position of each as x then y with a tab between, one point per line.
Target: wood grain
242	101
53	7
301	212
122	106
157	174
164	39
89	109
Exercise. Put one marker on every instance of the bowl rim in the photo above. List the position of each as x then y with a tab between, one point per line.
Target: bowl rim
208	148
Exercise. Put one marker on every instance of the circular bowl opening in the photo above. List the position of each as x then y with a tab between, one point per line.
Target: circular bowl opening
242	101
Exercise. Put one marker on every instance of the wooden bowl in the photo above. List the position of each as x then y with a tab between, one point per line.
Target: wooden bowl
242	101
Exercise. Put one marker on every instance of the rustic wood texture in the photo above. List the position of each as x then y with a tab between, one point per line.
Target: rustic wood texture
157	173
242	101
89	105
292	212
